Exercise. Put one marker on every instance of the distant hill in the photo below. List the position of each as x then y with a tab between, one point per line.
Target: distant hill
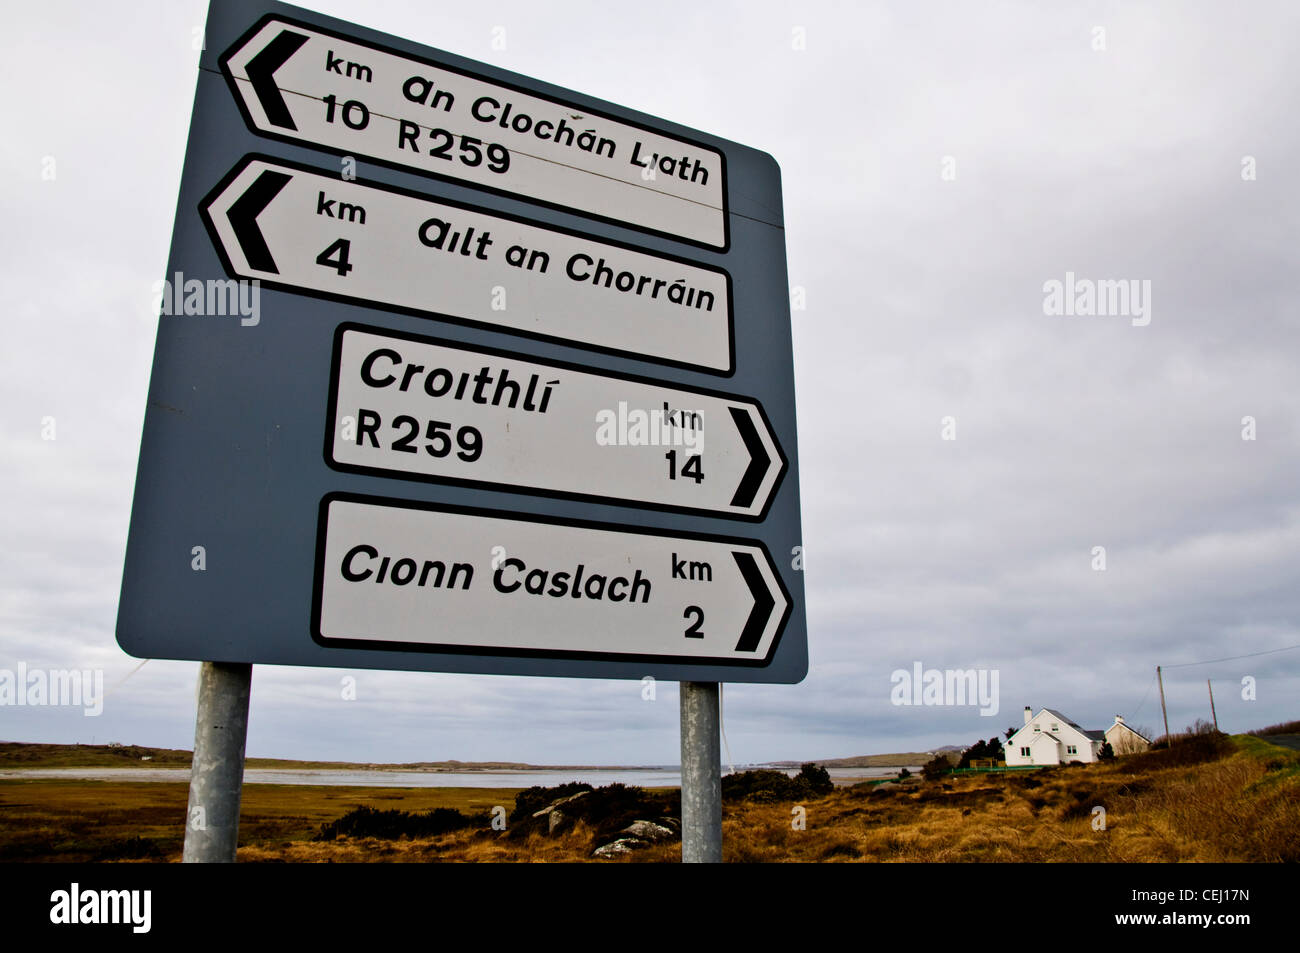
899	760
14	754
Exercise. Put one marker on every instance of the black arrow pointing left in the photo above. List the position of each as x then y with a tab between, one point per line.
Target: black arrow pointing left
243	219
261	73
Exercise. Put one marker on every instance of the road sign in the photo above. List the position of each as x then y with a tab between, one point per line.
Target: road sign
543	587
305	83
294	228
422	409
463	341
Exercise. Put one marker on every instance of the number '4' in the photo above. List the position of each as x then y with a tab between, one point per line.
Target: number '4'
340	263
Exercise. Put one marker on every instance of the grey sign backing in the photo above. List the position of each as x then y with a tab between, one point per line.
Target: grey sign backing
280	518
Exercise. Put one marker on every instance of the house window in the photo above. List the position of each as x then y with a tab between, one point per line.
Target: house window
1024	753
1036	728
1071	749
1056	727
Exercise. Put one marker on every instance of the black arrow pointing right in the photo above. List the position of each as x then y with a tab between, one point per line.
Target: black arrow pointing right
243	219
763	603
759	461
261	73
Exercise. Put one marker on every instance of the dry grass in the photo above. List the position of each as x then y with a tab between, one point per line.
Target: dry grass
70	820
1245	807
1242	807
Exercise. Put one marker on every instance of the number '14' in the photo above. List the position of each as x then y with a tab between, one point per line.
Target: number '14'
691	468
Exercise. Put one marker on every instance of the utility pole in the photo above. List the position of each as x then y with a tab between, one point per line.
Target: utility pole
1213	714
1163	710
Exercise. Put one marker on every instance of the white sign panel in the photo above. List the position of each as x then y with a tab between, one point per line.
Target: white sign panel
413	407
398	575
293	227
308	85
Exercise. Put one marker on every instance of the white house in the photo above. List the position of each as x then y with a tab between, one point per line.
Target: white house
1124	740
1051	738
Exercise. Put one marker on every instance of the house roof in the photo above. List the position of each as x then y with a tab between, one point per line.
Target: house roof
1065	718
1096	734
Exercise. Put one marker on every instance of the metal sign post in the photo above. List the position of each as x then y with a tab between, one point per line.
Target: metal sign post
217	769
701	774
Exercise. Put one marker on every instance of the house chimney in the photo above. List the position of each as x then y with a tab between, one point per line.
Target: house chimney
1029	714
1119	719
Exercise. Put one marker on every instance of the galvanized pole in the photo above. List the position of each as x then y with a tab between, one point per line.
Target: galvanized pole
701	774
217	771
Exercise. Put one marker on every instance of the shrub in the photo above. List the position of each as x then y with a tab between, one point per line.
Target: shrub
990	750
1285	728
769	786
818	778
365	821
1187	750
531	800
606	810
936	767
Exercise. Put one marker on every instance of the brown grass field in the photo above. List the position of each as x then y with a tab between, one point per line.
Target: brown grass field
1241	806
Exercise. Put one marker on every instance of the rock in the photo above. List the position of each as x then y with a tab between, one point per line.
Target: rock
624	845
554	816
647	831
640	834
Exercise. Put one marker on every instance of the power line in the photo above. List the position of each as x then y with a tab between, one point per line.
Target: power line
1147	695
128	675
1233	658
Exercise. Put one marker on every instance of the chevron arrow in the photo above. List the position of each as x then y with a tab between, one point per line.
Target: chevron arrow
261	73
243	219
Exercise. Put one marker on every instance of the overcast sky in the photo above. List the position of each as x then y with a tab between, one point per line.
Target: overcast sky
941	163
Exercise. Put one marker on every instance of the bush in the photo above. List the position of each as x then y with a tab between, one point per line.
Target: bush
990	750
606	810
818	778
1186	750
1285	728
936	767
768	786
531	800
392	825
